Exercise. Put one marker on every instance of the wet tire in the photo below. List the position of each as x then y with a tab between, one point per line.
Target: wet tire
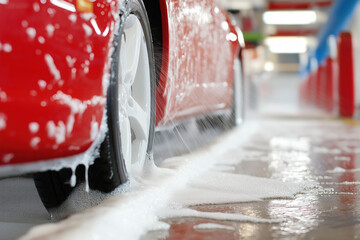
54	186
238	106
112	168
236	115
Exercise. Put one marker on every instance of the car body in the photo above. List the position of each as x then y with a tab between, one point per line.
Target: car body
54	68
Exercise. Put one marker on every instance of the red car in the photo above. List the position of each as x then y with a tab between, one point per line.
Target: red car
86	82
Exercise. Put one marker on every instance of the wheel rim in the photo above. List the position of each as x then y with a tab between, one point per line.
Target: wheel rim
134	94
238	96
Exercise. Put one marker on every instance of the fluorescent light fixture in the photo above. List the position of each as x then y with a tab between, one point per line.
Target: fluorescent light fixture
287	44
302	17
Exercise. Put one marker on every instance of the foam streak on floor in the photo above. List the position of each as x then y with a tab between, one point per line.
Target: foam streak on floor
322	154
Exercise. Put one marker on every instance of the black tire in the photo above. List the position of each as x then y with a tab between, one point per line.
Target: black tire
238	107
236	115
109	170
54	186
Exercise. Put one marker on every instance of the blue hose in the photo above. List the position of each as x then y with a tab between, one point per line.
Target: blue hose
340	14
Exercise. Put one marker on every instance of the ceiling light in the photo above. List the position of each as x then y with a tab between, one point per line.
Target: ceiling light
287	44
290	17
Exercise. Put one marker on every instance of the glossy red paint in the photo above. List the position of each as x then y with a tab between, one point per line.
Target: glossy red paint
52	78
197	66
55	67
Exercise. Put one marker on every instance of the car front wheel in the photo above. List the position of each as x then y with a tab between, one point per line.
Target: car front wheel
130	113
130	103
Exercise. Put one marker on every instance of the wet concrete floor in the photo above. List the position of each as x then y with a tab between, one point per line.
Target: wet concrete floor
322	151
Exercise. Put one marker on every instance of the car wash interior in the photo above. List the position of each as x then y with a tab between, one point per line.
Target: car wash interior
179	119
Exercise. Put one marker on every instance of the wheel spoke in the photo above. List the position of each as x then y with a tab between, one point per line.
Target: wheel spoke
134	94
138	119
125	131
238	102
134	36
138	150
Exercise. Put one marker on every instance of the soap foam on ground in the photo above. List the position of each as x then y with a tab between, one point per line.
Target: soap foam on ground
213	226
131	214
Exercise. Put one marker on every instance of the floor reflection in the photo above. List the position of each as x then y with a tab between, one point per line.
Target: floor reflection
326	153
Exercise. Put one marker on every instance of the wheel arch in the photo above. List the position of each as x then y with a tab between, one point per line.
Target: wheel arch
158	17
157	14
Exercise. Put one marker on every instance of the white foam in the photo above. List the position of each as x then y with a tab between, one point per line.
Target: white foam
6	47
225	168
187	212
42	84
86	158
70	61
50	30
341	183
77	105
33	127
3	95
342	158
41	39
88	30
36	7
94	129
213	226
214	187
31	32
8	157
86	16
336	170
131	214
56	131
2	121
52	67
342	170
150	193
334	151
34	142
73	17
